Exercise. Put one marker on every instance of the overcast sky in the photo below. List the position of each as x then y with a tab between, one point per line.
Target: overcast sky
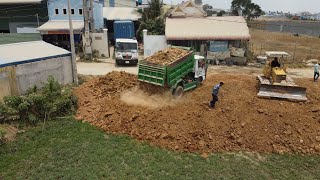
268	5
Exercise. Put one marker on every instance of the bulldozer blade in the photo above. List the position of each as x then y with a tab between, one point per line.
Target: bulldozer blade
293	93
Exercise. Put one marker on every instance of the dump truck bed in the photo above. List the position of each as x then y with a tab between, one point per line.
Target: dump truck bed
163	75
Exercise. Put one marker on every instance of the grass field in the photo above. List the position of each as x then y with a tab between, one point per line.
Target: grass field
299	47
73	150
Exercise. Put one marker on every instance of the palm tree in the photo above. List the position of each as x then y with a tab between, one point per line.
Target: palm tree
152	19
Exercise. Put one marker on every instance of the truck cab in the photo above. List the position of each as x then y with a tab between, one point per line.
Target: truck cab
126	51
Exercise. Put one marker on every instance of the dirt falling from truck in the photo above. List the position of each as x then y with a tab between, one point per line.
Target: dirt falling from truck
138	97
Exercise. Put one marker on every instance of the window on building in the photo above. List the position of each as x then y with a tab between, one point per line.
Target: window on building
72	11
80	11
56	11
64	11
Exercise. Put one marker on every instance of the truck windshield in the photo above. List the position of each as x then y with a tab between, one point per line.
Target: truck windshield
127	47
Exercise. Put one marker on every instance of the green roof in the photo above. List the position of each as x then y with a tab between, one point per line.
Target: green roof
16	38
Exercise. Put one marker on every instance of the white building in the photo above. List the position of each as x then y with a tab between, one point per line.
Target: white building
32	65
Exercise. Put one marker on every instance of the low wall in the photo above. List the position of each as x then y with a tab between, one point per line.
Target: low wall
18	79
153	43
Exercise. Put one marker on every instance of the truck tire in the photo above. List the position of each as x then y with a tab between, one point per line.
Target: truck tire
178	92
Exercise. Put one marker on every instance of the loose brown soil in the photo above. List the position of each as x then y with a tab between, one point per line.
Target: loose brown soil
167	56
241	121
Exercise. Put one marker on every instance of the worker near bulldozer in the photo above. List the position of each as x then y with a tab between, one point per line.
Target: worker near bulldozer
275	63
316	72
215	91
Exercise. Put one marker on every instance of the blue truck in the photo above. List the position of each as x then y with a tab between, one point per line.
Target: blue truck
126	46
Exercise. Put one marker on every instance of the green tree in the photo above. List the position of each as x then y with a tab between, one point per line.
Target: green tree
198	2
208	9
153	19
247	8
221	13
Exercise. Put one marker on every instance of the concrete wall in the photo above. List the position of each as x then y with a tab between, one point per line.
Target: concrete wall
76	5
21	14
8	82
153	43
120	3
100	42
18	26
18	79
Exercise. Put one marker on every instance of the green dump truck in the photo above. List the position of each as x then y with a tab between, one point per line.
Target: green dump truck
180	75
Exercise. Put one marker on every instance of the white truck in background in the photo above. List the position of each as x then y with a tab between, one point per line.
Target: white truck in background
126	51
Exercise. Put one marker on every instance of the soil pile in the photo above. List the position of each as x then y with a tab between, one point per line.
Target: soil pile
167	56
241	121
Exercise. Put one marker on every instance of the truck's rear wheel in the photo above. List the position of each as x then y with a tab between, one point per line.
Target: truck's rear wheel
178	92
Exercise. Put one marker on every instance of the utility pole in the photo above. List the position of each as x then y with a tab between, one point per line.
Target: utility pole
87	43
73	53
91	17
37	15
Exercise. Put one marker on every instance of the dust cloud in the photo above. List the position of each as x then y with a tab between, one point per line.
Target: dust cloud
137	97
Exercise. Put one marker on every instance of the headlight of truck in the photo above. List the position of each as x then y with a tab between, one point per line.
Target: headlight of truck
118	55
134	55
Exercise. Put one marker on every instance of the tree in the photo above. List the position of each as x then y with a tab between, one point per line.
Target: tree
198	2
152	19
208	9
252	11
221	13
247	8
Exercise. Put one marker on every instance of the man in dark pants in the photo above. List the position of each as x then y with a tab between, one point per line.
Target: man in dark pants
215	91
316	72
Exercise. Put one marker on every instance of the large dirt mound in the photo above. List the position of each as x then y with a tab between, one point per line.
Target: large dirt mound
241	121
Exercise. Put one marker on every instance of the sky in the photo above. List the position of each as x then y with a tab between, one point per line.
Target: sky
292	6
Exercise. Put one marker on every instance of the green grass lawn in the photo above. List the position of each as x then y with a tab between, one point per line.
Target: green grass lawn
70	149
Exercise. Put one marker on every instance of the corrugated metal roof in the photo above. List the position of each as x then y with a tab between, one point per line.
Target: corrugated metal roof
19	53
19	1
61	25
207	28
120	13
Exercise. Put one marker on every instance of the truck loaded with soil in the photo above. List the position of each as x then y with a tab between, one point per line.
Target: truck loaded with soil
175	68
240	122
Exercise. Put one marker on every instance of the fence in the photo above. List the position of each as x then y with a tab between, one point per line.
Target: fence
297	52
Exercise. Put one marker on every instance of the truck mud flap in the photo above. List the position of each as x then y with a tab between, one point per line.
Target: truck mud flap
293	93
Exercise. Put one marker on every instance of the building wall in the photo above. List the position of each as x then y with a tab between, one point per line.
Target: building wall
120	3
76	5
100	43
153	43
18	79
22	16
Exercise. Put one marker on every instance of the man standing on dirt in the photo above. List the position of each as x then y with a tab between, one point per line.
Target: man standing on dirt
316	72
215	91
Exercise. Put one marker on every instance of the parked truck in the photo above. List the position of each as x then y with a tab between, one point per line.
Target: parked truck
181	75
126	46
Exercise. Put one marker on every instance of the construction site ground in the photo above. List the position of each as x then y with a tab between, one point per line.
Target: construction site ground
240	122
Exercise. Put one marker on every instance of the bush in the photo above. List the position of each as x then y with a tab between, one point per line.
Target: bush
51	101
2	134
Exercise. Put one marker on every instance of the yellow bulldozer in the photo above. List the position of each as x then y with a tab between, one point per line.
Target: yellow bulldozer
274	83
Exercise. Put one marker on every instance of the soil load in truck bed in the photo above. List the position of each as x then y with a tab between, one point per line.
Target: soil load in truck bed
167	56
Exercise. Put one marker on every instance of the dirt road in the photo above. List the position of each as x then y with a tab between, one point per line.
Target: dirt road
109	66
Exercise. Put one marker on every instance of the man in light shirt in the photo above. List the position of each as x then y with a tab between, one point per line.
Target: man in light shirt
316	72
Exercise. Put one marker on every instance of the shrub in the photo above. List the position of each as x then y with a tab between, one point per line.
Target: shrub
51	101
2	134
